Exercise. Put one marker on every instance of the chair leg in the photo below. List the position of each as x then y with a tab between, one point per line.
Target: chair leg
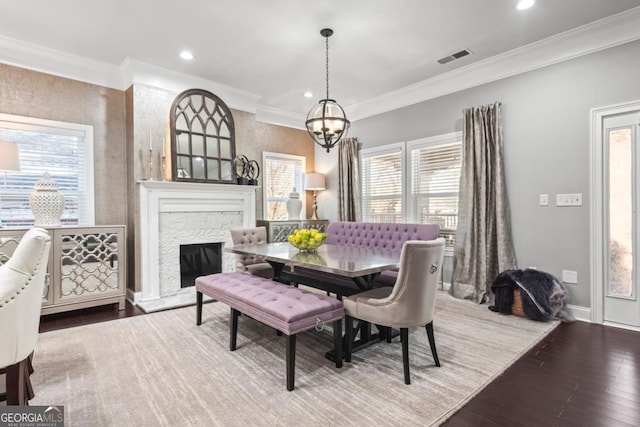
404	336
198	308
337	342
27	380
348	337
15	383
291	361
432	342
234	329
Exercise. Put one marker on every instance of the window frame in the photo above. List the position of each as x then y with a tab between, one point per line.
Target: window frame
266	155
409	208
34	124
398	147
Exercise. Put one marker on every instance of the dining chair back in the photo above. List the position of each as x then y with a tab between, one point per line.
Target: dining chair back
250	263
409	303
22	281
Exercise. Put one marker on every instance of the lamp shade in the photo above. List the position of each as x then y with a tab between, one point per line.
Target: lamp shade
9	156
314	181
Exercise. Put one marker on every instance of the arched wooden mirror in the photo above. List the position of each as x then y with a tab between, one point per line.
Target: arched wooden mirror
202	138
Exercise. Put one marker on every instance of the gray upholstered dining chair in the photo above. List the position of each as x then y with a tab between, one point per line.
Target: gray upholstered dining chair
251	264
411	301
22	281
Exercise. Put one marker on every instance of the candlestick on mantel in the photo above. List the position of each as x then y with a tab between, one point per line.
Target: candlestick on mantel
150	141
150	164
163	144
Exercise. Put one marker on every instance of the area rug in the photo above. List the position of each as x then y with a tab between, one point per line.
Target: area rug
161	369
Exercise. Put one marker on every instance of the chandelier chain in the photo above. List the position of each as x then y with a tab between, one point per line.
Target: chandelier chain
327	57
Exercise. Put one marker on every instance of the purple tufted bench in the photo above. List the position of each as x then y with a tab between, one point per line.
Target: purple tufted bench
287	309
387	236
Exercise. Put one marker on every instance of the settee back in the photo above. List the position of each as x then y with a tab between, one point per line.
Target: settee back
387	236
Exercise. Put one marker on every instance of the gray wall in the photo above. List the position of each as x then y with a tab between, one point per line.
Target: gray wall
546	116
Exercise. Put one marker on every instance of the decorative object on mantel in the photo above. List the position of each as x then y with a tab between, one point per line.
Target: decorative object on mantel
150	157
202	138
47	203
326	122
246	171
314	181
294	205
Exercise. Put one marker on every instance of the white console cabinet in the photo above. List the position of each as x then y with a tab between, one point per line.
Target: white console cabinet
86	266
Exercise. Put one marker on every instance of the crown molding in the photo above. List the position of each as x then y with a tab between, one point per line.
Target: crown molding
605	33
599	35
142	73
278	116
51	61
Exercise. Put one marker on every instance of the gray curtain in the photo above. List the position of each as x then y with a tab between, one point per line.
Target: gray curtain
349	186
483	246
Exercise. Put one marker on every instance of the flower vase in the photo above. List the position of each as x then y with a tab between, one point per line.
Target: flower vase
47	203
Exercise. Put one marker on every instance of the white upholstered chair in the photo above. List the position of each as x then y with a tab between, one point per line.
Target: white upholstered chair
251	264
411	301
22	281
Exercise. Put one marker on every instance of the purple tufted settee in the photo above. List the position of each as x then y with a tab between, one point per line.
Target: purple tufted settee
387	236
384	236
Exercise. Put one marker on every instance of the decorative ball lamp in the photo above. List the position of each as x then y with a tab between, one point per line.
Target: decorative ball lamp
314	181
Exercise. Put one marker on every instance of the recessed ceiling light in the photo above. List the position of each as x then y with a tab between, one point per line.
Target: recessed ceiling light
308	94
186	55
525	4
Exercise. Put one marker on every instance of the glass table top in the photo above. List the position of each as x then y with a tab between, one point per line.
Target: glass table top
343	260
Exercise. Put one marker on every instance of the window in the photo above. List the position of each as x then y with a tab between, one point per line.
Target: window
65	150
282	173
434	181
382	178
425	191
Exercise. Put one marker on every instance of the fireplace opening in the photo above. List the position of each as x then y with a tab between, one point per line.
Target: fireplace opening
199	260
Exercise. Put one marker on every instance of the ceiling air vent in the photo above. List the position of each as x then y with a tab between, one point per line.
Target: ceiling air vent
454	56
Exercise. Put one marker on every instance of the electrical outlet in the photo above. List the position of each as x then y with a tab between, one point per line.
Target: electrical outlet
572	199
544	200
569	276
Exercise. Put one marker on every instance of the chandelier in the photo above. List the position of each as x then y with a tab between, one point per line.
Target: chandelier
326	122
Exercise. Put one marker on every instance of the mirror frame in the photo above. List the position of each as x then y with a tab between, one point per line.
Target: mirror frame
192	112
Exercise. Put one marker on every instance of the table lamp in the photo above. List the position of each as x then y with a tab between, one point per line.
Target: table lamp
9	160
315	182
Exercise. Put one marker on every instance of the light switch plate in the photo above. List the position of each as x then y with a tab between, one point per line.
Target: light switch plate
544	200
569	199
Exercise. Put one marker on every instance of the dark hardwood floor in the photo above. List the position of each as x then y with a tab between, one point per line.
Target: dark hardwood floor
580	375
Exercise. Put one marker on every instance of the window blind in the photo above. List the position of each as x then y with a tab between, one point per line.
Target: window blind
61	152
435	179
382	186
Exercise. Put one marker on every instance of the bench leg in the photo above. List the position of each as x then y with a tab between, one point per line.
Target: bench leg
337	342
234	328
291	361
198	308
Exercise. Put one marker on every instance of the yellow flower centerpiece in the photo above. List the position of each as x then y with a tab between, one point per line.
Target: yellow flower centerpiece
307	239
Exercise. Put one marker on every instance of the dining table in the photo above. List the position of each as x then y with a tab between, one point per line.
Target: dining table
340	269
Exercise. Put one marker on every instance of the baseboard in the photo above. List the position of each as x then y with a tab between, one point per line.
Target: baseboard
133	296
580	313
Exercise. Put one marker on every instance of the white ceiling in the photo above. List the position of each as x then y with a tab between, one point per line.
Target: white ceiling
273	49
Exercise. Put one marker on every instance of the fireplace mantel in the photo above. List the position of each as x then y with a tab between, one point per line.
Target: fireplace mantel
181	212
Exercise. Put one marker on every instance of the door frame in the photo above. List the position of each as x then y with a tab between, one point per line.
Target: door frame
597	216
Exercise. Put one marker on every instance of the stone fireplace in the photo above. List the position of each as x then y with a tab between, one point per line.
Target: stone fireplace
174	214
